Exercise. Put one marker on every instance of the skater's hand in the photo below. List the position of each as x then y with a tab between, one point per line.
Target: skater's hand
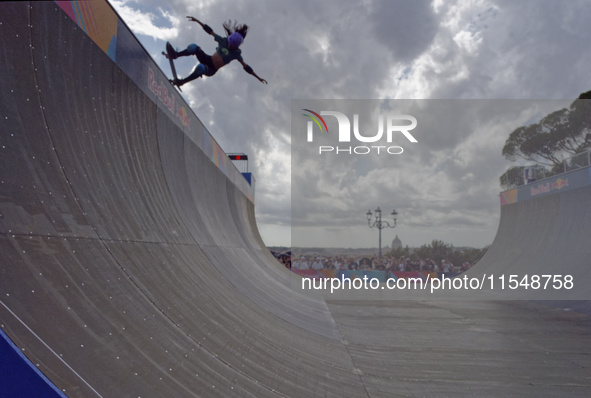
263	81
192	19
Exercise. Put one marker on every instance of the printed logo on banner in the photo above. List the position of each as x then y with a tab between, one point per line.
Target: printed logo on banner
161	91
547	187
391	125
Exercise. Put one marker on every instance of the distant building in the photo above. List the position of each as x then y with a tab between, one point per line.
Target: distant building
396	243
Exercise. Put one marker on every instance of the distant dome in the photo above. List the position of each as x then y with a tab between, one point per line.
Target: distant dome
396	243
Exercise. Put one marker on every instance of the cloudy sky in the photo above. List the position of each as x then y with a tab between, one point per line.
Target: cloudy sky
485	66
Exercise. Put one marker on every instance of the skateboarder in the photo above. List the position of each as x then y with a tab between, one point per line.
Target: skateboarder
226	52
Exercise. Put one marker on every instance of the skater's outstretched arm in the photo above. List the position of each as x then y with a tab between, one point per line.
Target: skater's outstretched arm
205	27
248	69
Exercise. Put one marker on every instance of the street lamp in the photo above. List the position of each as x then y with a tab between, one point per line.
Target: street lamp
379	224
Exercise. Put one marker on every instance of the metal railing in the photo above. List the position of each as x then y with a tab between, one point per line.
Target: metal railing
577	162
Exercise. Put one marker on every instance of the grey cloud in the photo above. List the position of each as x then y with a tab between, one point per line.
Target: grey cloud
406	28
351	49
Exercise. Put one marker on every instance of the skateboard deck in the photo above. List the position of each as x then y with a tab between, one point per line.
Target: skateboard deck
167	54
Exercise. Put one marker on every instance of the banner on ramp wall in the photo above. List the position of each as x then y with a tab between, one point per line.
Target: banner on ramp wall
548	186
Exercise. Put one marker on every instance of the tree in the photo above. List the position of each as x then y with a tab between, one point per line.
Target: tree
561	134
437	250
399	252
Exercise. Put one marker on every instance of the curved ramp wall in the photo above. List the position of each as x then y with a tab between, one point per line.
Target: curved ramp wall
544	229
130	260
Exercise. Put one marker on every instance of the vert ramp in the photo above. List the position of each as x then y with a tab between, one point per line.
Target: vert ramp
543	231
131	260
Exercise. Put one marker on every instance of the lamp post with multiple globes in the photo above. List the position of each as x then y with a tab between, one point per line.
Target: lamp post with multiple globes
380	224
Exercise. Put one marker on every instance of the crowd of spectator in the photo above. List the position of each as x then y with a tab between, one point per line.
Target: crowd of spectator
372	263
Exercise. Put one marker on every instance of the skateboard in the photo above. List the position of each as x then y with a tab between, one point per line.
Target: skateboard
167	54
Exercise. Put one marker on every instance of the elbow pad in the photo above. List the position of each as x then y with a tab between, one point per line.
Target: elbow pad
207	29
248	69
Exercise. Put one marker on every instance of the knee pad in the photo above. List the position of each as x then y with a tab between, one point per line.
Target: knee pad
200	69
197	73
192	49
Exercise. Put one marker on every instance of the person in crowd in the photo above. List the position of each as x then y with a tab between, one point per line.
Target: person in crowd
446	267
317	265
304	263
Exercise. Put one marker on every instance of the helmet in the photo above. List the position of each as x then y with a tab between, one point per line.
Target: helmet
235	39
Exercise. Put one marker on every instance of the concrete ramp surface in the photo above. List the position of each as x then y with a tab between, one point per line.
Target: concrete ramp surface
131	264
